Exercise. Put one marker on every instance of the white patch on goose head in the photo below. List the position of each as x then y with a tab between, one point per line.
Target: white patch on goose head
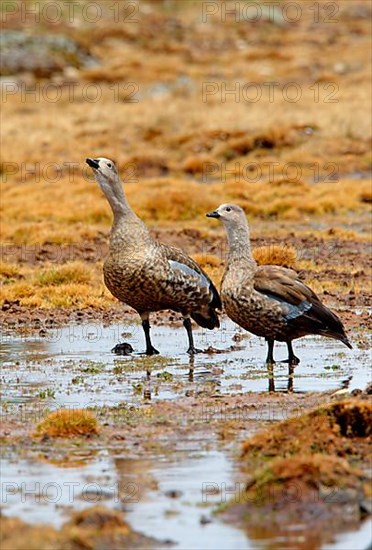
102	166
230	214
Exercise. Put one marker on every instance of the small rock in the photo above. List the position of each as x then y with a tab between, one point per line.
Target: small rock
42	55
173	493
122	349
119	437
204	520
147	395
340	68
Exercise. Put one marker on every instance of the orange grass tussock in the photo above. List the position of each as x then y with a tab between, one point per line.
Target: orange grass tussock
282	255
330	429
68	423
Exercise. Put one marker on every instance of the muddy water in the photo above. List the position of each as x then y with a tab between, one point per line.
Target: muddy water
34	490
179	508
74	366
184	501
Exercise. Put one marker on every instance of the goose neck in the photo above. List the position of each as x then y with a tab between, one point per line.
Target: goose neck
239	245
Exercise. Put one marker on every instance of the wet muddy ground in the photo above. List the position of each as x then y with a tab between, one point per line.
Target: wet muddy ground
170	427
167	457
74	365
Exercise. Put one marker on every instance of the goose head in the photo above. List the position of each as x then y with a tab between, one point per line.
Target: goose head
103	167
230	214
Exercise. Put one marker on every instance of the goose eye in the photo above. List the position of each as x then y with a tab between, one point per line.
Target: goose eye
109	164
228	209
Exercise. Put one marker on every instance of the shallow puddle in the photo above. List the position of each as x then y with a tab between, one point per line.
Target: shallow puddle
74	366
35	492
166	497
180	509
176	507
356	540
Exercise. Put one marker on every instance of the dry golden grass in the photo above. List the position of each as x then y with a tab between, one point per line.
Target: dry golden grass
68	423
74	272
165	142
76	284
9	272
285	256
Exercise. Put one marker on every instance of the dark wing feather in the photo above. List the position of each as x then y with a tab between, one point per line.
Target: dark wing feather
186	270
176	255
284	283
301	306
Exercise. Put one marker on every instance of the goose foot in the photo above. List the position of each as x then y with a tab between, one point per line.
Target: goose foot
193	351
152	351
292	359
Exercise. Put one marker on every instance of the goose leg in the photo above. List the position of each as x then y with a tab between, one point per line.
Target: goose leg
192	349
270	352
150	350
292	359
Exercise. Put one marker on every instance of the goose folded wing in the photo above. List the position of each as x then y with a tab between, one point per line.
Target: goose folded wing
296	299
182	264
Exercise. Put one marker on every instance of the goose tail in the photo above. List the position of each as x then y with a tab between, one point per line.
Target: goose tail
345	341
339	336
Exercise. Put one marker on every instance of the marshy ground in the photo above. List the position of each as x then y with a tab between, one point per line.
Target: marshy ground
149	89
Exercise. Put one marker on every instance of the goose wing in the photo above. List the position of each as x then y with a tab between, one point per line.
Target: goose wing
299	304
182	264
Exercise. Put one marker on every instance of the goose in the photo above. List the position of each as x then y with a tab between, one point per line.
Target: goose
147	275
268	300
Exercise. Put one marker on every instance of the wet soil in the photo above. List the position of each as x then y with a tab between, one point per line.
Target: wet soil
170	430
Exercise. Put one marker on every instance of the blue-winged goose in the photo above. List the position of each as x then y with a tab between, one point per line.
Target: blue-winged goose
269	300
147	275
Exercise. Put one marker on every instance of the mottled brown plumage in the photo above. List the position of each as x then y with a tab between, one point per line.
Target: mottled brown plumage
268	300
147	275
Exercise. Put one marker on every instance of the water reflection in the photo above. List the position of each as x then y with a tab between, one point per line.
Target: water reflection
74	366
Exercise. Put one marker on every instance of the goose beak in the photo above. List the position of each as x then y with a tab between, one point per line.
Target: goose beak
92	163
213	214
